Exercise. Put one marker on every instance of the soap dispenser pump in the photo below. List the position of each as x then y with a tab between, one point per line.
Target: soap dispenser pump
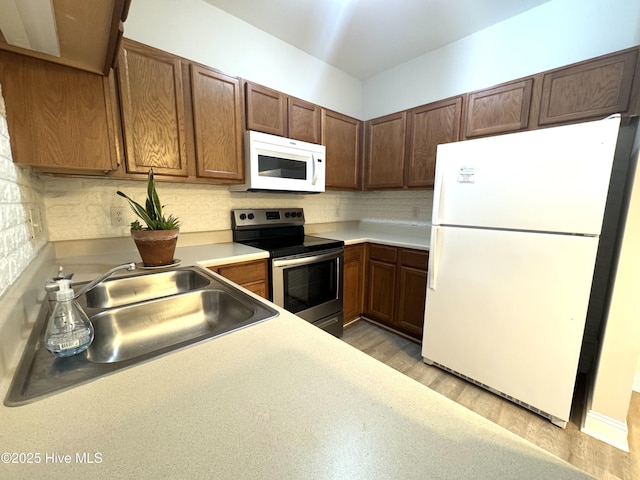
69	330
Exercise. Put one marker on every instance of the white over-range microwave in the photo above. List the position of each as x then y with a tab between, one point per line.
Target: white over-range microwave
275	163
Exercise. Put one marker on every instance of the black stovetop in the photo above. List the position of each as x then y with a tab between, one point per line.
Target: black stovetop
286	246
278	231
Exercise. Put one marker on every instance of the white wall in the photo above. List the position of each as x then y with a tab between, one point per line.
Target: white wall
200	32
554	34
610	390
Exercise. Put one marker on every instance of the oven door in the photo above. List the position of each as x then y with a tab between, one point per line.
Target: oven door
310	285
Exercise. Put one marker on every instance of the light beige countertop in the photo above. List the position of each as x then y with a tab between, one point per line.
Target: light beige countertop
210	255
394	234
279	399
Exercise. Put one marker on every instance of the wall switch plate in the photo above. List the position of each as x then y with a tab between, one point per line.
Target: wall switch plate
117	217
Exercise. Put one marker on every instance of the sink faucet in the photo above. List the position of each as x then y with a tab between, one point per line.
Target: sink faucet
126	266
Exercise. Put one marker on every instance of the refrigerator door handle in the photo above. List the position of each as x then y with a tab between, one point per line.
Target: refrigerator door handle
434	256
438	197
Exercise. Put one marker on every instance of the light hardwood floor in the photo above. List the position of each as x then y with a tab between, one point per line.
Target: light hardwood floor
590	455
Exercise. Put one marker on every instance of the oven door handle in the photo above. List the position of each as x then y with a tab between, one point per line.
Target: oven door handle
288	262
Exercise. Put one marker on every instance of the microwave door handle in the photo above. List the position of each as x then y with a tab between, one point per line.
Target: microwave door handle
314	173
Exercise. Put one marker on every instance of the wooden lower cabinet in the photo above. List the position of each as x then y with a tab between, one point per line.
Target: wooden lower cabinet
353	290
395	286
380	283
251	275
412	290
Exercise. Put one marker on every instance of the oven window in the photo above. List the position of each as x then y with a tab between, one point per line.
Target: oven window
282	167
308	286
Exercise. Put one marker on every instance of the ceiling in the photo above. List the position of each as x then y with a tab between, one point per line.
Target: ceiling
366	37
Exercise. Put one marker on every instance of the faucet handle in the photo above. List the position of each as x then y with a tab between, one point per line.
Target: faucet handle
68	276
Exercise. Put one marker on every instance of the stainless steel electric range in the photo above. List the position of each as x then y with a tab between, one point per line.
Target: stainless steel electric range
306	272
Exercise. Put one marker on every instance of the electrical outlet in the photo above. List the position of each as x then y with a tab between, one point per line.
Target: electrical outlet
415	212
337	214
32	224
117	217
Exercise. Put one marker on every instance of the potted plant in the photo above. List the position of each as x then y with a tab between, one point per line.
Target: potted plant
157	241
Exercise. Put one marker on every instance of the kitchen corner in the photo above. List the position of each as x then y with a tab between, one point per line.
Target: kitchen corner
278	399
208	249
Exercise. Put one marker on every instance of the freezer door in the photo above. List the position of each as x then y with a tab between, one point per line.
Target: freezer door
508	309
550	180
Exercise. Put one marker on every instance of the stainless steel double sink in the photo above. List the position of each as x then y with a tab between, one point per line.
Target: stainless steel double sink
136	318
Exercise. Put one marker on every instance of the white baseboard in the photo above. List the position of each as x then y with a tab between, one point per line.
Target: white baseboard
606	429
636	382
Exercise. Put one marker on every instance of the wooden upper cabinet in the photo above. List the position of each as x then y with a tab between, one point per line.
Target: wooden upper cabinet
217	116
270	111
152	107
427	127
384	167
342	137
88	33
591	89
501	109
303	120
60	119
266	110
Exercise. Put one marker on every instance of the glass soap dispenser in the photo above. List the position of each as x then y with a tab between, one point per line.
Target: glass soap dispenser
69	330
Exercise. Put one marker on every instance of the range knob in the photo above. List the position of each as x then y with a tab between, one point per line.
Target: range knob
287	215
299	214
251	216
243	216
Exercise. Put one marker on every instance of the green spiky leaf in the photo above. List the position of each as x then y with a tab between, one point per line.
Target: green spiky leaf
151	213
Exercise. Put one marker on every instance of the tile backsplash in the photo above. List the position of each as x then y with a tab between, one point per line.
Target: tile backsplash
23	229
80	208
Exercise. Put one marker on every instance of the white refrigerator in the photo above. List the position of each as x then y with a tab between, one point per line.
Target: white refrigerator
516	225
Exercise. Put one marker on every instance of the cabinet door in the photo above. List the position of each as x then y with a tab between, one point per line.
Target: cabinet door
304	120
217	117
594	88
250	275
428	126
385	151
59	118
353	282
500	109
152	105
381	283
342	137
412	289
266	110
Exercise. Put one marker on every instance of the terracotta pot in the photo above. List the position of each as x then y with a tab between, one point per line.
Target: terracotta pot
156	247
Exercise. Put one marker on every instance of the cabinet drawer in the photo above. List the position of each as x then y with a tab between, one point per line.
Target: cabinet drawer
244	272
353	252
414	258
383	253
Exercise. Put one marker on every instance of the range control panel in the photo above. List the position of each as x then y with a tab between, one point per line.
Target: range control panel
263	217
